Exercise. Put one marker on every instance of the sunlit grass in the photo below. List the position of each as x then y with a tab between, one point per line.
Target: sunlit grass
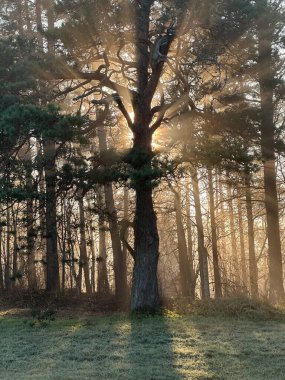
118	347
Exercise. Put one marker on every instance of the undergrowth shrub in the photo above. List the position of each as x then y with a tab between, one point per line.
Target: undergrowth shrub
237	307
42	317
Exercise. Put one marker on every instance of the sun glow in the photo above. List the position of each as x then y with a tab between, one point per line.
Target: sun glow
157	138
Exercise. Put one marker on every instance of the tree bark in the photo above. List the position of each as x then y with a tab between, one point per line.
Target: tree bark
253	274
217	276
83	262
266	82
1	267
15	247
145	295
49	150
126	234
72	273
222	233
103	281
52	265
64	244
190	242
8	247
184	265
93	255
120	268
27	16
31	232
235	263
202	251
38	5
242	244
20	16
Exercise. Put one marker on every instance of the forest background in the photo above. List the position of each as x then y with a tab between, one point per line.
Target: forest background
142	149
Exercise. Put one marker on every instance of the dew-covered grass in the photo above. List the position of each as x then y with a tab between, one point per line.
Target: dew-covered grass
149	348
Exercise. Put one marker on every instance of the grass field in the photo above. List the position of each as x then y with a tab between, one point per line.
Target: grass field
149	348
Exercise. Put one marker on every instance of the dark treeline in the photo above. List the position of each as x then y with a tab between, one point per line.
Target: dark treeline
142	148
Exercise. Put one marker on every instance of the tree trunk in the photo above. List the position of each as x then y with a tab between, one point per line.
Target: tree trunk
52	267
1	267
27	18
32	277
202	251
242	245
120	268
64	245
266	82
72	273
103	281
253	274
235	263
126	235
222	233
83	262
8	247
31	232
42	214
190	243
217	276
145	296
15	247
184	265
49	151
92	247
39	24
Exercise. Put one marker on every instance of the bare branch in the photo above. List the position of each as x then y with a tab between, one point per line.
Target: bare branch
125	224
122	108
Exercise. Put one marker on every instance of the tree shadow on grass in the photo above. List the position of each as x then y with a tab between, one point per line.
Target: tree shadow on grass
144	348
134	348
150	350
105	348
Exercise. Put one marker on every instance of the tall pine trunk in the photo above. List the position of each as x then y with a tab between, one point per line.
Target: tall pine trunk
52	265
49	150
266	83
184	265
202	251
235	262
190	242
15	247
242	243
253	274
83	262
31	232
120	267
102	279
217	276
92	247
1	257
223	248
8	248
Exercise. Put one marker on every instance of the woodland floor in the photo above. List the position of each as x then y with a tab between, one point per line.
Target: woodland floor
147	348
